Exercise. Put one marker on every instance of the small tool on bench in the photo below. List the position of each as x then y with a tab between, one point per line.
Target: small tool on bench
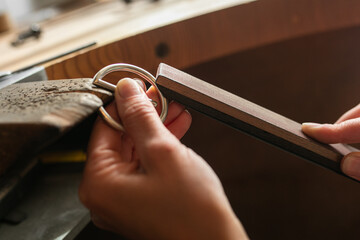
230	109
34	32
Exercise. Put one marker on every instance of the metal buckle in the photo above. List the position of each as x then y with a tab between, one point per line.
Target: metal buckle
124	67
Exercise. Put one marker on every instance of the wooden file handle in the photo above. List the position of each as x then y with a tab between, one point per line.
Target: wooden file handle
247	117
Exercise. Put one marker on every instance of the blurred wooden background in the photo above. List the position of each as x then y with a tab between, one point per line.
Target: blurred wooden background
277	195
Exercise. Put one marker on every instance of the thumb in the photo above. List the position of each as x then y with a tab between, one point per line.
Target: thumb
350	165
137	114
344	132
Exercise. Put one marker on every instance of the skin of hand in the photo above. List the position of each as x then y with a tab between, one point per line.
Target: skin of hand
145	184
345	130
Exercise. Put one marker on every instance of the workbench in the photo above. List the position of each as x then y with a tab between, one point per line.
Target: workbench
297	58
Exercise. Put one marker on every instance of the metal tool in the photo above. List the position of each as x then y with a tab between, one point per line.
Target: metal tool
30	75
33	32
27	73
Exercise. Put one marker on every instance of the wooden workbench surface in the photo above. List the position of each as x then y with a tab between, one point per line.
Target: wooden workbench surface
103	22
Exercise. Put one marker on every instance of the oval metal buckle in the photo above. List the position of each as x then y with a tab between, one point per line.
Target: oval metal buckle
124	67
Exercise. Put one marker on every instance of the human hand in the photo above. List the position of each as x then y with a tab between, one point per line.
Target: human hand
145	184
344	130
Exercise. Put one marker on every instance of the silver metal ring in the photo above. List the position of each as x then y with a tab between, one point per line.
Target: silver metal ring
97	80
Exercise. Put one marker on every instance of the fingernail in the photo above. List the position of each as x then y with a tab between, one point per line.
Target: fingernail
351	165
141	83
308	126
311	125
127	87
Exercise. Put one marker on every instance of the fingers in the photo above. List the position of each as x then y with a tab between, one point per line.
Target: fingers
350	165
107	143
103	137
344	132
178	120
351	114
180	125
152	94
139	117
174	111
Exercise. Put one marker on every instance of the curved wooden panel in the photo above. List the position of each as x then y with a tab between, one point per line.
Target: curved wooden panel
213	35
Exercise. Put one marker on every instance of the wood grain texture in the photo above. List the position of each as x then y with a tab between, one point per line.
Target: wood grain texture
247	117
212	35
104	21
34	115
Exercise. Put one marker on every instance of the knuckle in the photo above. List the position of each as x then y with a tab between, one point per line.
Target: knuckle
339	131
95	154
163	147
